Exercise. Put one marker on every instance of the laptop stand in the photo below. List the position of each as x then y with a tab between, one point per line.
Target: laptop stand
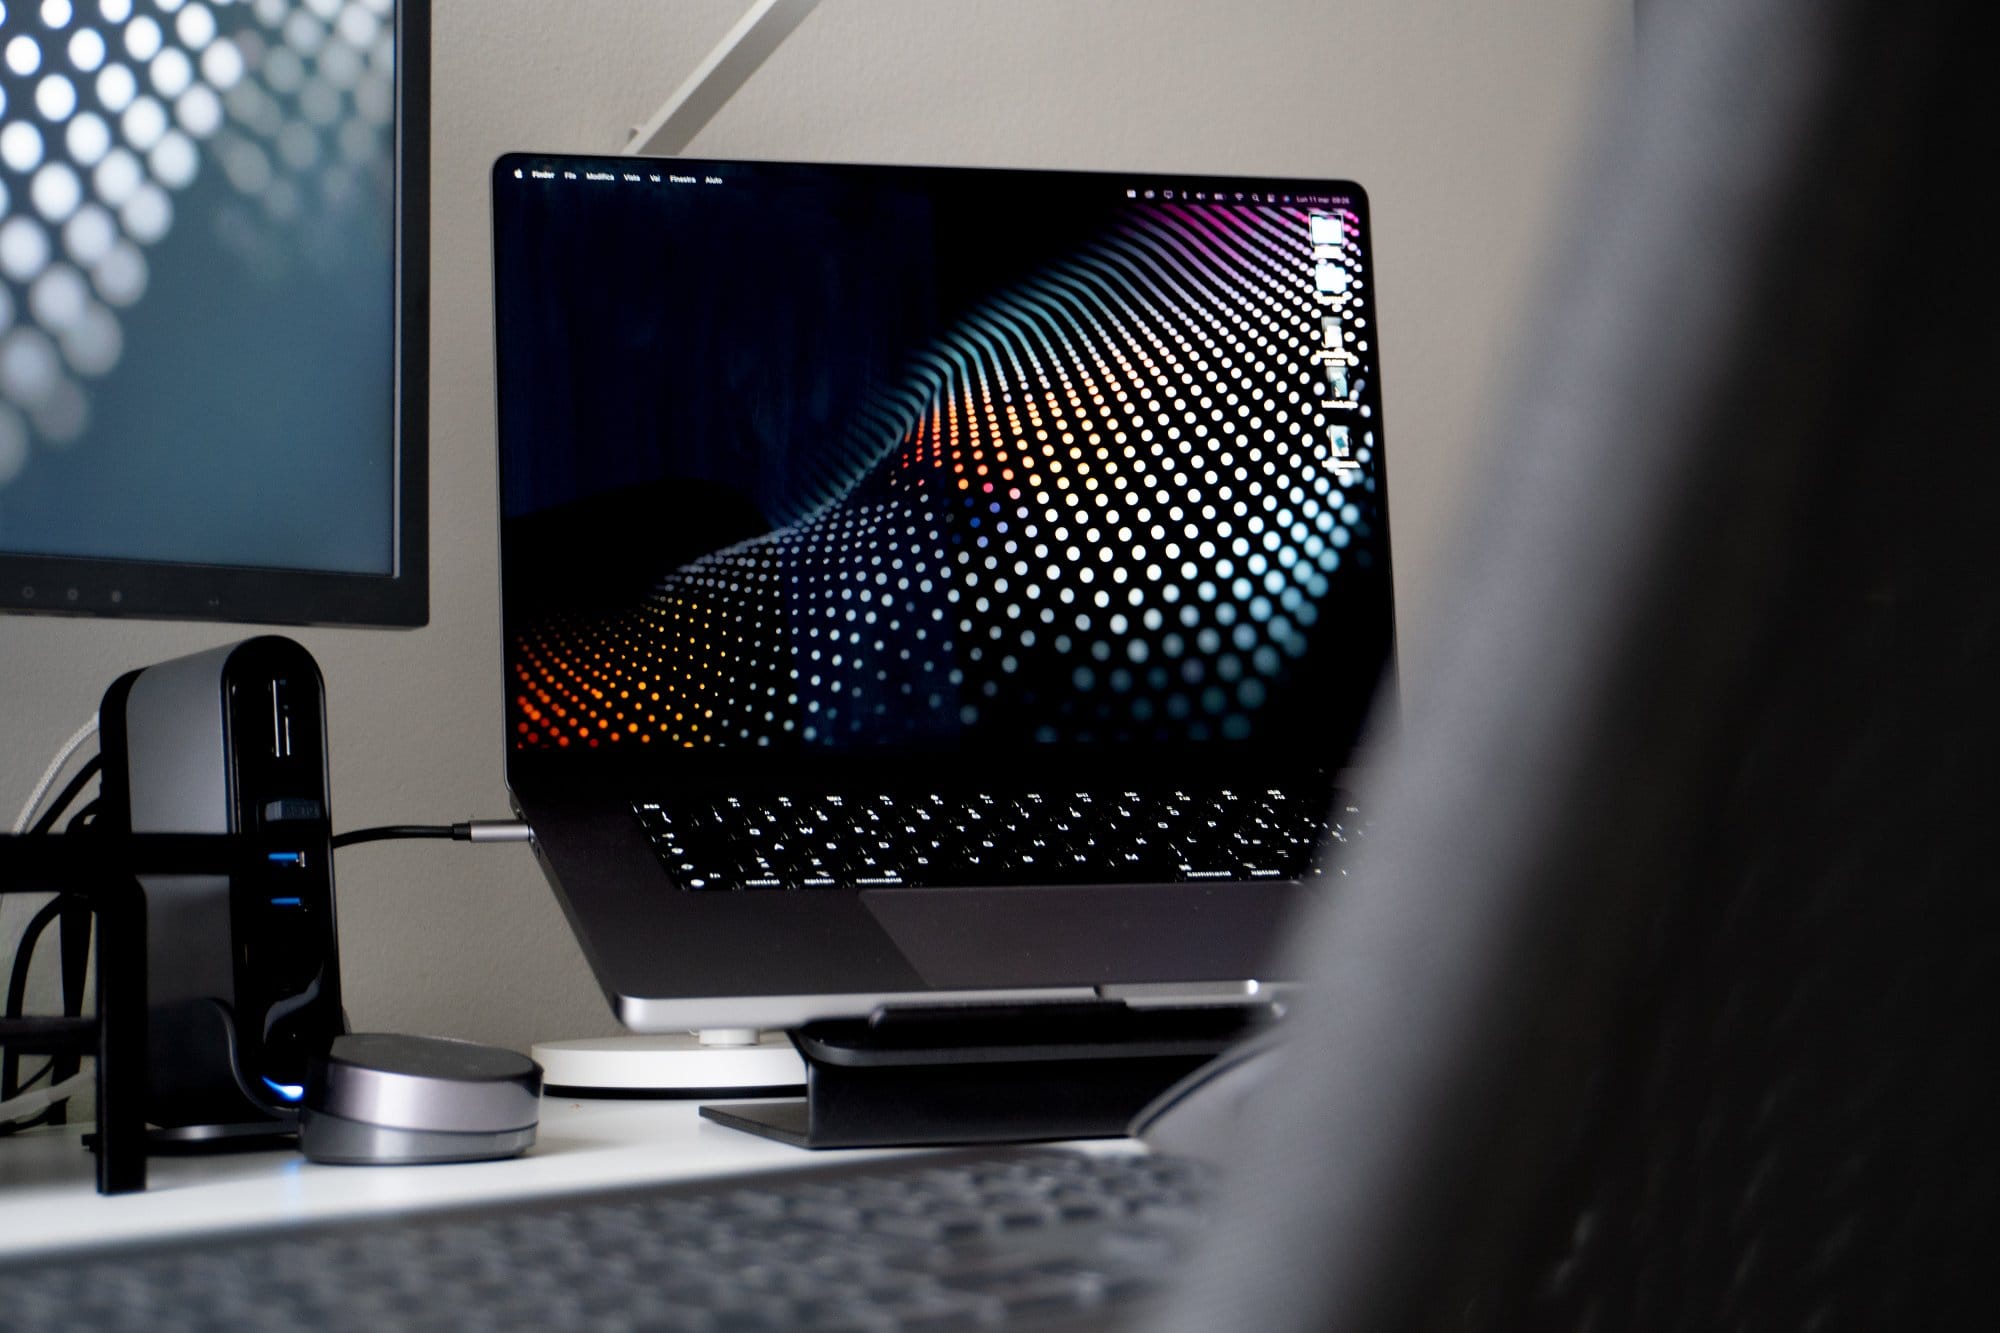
988	1074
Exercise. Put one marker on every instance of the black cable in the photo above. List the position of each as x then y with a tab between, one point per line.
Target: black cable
17	985
74	927
472	830
28	1083
69	793
46	1115
64	906
385	832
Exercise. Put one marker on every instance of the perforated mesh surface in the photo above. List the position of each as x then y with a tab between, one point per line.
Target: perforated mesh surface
1109	505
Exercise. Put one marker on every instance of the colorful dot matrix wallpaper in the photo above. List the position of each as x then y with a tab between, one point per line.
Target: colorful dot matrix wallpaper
872	459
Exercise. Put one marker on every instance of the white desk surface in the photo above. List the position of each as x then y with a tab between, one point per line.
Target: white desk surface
48	1197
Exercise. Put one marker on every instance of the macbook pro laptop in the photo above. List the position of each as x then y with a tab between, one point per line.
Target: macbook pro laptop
933	584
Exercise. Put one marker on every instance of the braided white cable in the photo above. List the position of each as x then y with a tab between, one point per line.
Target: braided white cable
54	771
41	1099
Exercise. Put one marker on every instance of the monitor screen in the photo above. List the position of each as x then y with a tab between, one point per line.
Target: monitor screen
205	406
839	460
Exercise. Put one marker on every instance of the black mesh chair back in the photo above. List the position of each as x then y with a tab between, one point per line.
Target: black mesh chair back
1667	993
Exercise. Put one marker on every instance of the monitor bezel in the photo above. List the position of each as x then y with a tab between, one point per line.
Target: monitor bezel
169	590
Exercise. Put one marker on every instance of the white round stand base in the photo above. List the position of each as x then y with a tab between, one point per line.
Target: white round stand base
676	1065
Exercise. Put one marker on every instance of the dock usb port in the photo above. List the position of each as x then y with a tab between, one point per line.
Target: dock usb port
289	860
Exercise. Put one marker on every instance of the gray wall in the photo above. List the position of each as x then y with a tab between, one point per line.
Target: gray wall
1460	117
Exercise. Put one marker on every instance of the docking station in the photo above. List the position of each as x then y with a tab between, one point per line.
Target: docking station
244	976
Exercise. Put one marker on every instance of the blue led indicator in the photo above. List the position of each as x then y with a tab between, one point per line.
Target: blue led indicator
288	902
290	1092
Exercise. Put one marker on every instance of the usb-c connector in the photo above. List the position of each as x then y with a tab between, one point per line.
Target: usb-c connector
494	830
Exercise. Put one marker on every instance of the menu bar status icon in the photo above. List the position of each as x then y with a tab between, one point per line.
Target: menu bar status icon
1319	204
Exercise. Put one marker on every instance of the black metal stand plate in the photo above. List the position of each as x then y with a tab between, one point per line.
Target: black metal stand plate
987	1074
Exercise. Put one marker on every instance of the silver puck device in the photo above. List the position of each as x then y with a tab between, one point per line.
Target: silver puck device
376	1099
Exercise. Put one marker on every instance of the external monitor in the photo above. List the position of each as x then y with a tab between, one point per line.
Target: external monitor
213	311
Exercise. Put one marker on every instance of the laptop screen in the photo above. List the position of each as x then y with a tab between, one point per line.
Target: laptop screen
839	460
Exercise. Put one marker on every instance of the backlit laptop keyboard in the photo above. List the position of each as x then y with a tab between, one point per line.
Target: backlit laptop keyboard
1095	837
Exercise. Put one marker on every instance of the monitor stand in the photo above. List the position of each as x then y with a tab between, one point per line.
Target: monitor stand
715	1062
988	1074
